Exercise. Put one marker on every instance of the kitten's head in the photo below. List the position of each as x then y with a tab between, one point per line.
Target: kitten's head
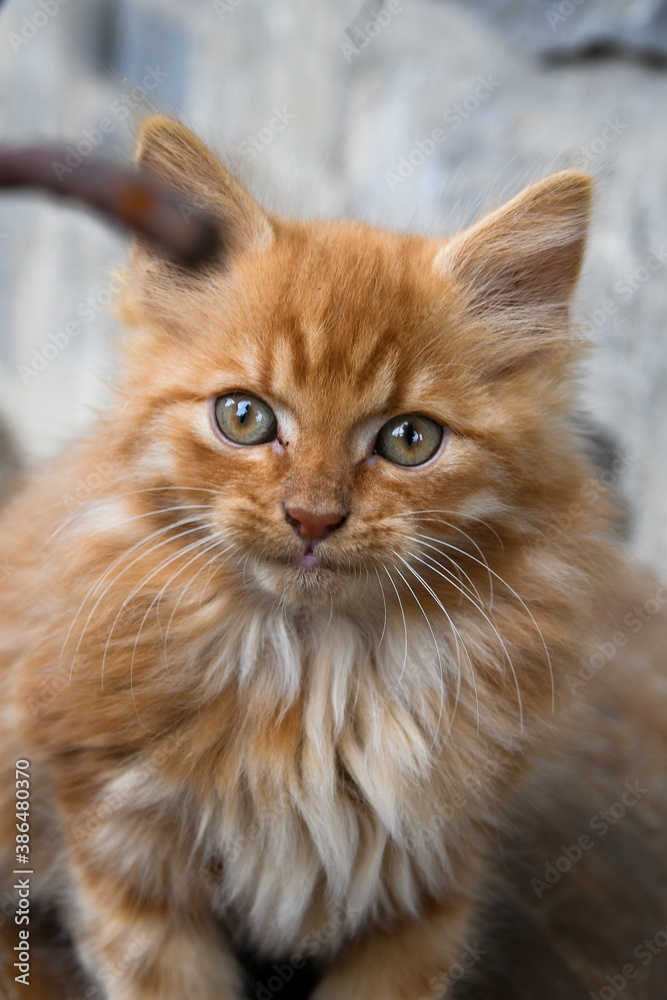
339	394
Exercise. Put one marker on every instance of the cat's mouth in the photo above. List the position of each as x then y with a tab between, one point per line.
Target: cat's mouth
307	561
309	566
306	579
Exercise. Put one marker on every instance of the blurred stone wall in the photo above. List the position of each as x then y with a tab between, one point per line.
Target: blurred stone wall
325	109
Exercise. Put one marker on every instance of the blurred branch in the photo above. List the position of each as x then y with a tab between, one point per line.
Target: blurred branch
121	195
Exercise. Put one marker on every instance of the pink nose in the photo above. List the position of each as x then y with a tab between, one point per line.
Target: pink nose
312	527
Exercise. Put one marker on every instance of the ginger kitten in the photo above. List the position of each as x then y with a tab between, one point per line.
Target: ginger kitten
275	674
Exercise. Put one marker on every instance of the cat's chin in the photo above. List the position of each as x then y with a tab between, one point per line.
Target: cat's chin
303	580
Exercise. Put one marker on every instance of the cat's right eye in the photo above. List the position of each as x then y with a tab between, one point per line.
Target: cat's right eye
409	440
245	419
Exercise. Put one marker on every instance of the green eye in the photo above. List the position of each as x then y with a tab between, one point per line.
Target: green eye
409	440
244	419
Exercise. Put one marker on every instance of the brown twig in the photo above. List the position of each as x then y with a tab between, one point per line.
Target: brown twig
136	200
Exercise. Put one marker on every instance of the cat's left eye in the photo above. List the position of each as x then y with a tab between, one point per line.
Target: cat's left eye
409	440
245	419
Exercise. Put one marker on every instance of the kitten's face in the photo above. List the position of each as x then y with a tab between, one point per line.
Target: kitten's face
333	391
331	340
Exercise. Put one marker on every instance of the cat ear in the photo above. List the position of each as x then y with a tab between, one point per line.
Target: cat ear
177	158
518	266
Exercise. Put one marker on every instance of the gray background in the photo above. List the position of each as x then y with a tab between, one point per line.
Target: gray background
350	117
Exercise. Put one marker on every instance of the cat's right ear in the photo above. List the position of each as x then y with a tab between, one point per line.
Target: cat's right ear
178	159
518	266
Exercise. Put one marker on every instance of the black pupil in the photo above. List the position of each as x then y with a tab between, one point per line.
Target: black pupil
411	434
408	432
243	411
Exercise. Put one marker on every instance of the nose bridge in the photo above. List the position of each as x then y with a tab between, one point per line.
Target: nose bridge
319	478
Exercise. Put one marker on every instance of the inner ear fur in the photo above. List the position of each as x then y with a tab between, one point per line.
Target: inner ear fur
176	157
527	253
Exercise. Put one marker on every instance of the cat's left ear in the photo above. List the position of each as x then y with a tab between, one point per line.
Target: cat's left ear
177	158
518	266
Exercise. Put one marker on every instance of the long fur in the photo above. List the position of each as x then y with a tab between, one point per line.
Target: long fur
219	737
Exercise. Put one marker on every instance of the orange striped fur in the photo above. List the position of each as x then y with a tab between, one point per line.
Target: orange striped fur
228	746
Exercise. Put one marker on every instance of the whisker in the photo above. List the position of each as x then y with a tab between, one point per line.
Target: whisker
165	541
100	580
245	563
405	628
490	622
465	534
208	578
437	650
432	564
161	593
503	646
384	605
532	618
455	513
472	593
149	576
135	517
209	564
458	639
157	599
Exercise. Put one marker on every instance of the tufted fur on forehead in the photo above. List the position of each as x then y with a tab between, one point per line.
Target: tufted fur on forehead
498	291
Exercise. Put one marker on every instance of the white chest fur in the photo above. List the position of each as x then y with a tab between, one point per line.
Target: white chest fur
352	826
